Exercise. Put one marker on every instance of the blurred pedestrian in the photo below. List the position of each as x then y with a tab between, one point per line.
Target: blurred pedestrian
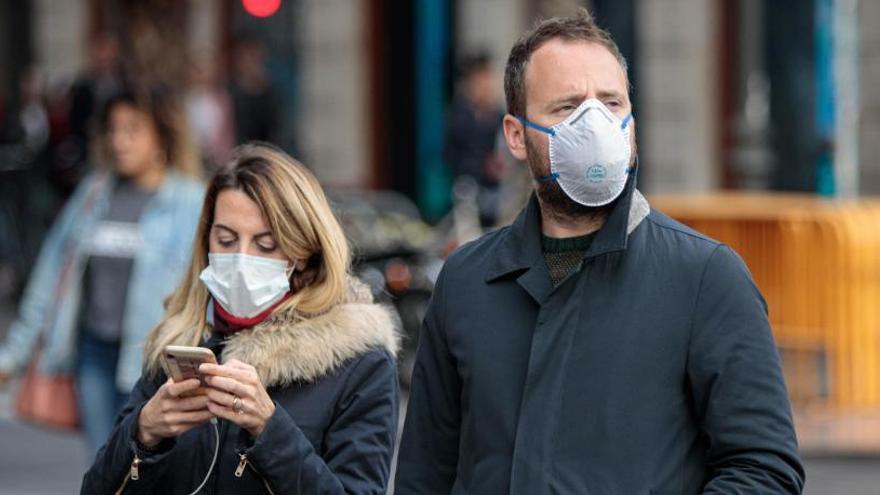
306	398
256	104
596	345
209	109
473	122
25	197
118	247
101	80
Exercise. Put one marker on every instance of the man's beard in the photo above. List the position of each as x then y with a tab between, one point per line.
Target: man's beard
554	202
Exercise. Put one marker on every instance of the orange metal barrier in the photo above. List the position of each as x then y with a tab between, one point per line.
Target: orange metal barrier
817	263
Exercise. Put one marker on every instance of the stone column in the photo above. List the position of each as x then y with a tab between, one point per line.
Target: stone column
60	37
677	115
334	78
869	125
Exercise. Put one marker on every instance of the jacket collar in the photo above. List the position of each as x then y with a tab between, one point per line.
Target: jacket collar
290	347
521	247
166	194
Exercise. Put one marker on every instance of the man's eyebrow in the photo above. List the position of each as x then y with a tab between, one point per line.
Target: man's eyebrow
573	98
609	93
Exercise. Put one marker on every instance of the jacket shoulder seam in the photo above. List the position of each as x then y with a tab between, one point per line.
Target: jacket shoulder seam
475	246
698	236
356	362
700	291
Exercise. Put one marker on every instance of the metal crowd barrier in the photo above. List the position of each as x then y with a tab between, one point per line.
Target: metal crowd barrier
817	262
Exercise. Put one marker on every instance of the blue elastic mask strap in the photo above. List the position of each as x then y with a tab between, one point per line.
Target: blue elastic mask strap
626	121
548	178
546	130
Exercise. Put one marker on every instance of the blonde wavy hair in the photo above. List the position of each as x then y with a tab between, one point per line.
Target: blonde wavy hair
303	225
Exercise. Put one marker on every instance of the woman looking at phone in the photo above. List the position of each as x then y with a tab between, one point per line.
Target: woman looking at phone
306	393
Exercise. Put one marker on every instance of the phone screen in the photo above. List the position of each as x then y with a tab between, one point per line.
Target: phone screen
186	367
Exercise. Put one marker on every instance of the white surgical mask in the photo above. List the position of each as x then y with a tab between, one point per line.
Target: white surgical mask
244	285
590	153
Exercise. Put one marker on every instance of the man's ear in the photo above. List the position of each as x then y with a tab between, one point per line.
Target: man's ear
515	135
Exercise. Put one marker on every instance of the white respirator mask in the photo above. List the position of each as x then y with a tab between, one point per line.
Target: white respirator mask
590	153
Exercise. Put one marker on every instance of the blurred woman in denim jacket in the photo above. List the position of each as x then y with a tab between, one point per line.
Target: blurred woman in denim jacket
119	246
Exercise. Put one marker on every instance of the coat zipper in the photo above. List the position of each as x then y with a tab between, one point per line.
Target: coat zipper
243	464
134	473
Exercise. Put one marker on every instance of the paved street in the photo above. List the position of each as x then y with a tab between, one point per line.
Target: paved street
36	461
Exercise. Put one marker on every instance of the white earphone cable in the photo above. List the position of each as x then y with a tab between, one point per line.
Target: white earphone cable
214	460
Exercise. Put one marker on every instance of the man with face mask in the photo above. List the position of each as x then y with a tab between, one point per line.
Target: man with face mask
595	345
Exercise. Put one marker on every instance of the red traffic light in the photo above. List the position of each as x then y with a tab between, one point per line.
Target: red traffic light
261	8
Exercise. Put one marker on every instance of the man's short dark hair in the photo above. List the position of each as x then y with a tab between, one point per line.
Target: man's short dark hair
579	27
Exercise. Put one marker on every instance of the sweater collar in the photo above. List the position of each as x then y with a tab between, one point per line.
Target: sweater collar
227	323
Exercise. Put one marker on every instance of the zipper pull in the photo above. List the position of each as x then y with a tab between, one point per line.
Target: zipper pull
135	469
239	471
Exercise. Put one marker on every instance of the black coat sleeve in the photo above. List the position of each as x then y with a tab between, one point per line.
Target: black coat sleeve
737	385
359	443
113	462
428	457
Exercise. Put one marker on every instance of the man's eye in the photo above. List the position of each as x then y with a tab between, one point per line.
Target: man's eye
612	104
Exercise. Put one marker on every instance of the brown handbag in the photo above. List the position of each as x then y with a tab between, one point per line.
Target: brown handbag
47	400
50	400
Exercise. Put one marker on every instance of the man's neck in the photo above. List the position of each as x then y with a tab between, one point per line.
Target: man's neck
562	226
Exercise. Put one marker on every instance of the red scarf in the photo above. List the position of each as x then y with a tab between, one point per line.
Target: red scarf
227	323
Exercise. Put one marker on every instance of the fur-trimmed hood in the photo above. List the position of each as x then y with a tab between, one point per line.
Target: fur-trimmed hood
289	347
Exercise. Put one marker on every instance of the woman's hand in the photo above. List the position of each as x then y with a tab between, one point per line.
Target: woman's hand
171	412
237	394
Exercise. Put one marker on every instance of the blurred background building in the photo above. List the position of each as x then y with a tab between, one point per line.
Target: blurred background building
734	94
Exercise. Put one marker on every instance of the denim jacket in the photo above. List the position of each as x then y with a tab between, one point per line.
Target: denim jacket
50	306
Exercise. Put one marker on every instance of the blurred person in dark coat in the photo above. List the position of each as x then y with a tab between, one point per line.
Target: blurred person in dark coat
256	106
89	95
472	124
26	200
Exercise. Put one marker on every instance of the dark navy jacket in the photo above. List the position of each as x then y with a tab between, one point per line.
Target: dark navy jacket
334	382
650	370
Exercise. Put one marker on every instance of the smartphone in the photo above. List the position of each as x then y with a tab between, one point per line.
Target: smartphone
183	363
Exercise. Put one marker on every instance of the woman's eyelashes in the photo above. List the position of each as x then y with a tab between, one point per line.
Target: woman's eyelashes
227	243
266	248
263	244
